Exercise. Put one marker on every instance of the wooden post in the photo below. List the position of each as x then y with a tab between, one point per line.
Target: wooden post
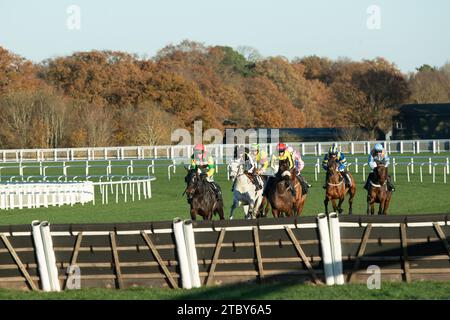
116	259
361	250
442	236
215	257
405	252
258	253
302	254
76	249
159	260
18	262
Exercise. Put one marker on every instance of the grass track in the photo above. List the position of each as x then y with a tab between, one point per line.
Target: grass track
167	202
269	291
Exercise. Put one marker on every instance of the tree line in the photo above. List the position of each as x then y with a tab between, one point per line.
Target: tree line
107	98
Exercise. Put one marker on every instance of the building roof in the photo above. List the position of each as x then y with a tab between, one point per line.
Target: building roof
442	109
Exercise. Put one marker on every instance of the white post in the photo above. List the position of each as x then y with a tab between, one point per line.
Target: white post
393	168
352	147
191	253
325	244
429	162
401	146
356	164
412	165
182	254
445	174
421	177
336	249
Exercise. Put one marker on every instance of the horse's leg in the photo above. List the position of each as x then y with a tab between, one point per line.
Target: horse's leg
266	207
246	209
333	202
325	202
233	207
372	206
368	203
193	214
386	205
341	200
275	212
381	207
257	205
350	199
220	212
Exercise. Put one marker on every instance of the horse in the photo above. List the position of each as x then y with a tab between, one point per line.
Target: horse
378	191
201	196
336	188
280	195
244	191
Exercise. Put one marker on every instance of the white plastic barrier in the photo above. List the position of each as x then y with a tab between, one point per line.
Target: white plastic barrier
182	254
327	259
191	253
50	255
45	256
336	250
35	195
40	254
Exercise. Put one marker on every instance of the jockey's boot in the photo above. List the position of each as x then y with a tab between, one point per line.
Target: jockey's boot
346	179
390	185
367	185
304	184
216	190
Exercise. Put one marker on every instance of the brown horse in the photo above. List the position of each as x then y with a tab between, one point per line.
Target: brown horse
201	196
280	193
336	188
378	190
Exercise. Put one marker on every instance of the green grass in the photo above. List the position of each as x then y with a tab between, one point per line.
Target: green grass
253	291
167	201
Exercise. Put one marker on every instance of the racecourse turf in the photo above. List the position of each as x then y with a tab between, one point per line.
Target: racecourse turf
266	291
168	202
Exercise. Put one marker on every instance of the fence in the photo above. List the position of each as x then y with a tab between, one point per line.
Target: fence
218	150
405	248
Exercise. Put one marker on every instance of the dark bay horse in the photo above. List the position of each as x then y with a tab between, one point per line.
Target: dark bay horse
201	196
378	191
280	195
336	188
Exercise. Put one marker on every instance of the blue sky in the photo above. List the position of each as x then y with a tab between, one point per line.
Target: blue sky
411	32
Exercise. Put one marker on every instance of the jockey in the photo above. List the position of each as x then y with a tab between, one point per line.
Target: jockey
378	153
200	160
333	152
299	165
284	154
257	163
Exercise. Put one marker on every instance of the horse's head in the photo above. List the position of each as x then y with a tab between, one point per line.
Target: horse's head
283	165
192	178
381	172
235	168
332	165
